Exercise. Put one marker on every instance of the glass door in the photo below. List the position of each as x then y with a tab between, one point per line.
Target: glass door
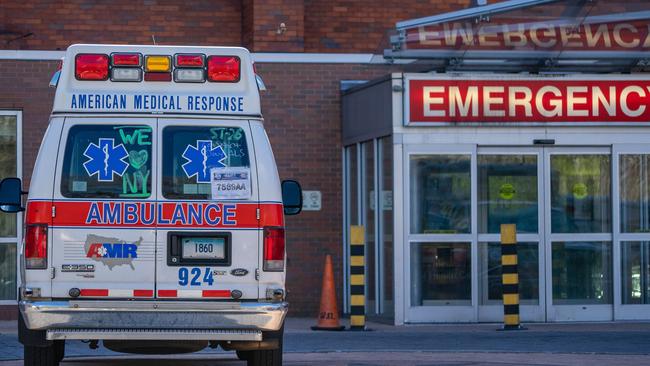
578	234
632	232
10	224
510	191
440	235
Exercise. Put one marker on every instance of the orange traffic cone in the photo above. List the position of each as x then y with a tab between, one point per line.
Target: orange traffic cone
328	316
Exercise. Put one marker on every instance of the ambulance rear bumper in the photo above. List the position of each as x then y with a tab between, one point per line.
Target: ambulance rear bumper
89	314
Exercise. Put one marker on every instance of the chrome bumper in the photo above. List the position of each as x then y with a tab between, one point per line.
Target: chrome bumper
89	314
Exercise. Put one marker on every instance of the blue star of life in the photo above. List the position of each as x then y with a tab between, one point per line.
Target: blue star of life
105	159
201	158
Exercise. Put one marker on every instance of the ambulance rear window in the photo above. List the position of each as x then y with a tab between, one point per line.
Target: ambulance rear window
107	161
189	154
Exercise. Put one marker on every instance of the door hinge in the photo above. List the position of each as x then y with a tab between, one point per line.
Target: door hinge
257	213
52	272
257	274
53	211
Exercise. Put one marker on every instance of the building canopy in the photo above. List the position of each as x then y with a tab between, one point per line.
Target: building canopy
530	35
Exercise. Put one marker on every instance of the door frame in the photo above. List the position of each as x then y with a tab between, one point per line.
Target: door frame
17	240
528	312
624	311
545	310
578	312
439	313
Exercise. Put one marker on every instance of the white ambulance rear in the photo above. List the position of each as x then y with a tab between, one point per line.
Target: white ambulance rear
155	214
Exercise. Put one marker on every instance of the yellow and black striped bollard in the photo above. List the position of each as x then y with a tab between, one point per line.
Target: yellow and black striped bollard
357	278
510	277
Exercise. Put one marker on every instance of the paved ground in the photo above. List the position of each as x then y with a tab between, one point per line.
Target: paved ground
423	345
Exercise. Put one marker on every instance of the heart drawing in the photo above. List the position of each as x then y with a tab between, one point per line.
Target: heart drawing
138	158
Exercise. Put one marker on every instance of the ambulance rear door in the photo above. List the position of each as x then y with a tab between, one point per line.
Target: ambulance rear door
104	228
208	231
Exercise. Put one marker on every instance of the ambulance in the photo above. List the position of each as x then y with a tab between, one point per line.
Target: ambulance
154	219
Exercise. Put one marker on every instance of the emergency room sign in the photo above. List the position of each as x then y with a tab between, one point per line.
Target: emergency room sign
507	99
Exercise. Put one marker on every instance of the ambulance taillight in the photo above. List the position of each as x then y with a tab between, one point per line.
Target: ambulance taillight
90	66
36	246
274	249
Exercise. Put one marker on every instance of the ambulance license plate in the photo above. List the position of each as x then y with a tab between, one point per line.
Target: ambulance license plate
204	248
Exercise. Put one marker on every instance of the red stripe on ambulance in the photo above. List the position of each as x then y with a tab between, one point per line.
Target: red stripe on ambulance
94	292
156	214
194	293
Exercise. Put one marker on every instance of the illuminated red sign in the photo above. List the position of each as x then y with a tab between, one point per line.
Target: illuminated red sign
508	99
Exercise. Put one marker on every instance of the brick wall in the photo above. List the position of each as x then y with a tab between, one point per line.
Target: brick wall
311	25
57	24
303	119
265	33
24	86
363	25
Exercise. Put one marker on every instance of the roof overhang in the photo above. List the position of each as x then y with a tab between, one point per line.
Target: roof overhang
530	35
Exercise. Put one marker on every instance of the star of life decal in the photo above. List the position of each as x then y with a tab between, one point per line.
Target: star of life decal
105	159
201	158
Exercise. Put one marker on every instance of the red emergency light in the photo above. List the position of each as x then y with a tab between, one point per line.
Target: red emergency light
126	59
91	66
189	60
224	69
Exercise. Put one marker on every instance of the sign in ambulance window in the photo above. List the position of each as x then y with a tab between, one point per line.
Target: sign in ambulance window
205	163
107	161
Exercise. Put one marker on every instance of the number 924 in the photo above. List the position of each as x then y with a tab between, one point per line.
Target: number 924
195	276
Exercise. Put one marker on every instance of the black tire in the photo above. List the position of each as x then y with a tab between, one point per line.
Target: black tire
59	349
42	356
267	357
243	355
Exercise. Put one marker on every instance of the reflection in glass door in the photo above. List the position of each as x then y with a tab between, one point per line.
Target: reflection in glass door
579	237
561	201
632	232
509	193
10	229
441	248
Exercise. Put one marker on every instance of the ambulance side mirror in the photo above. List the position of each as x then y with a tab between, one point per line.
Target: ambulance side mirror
11	195
291	197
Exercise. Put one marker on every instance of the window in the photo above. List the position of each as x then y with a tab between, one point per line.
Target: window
190	152
107	161
440	194
10	233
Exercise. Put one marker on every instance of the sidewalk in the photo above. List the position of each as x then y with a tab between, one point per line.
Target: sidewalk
449	344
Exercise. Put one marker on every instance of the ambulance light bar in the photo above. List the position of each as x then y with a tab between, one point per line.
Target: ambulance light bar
186	68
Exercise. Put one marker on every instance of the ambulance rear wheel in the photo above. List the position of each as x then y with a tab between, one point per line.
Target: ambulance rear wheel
243	355
42	356
272	357
265	358
59	349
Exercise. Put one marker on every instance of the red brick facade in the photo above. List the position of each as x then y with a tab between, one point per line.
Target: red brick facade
310	25
301	105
